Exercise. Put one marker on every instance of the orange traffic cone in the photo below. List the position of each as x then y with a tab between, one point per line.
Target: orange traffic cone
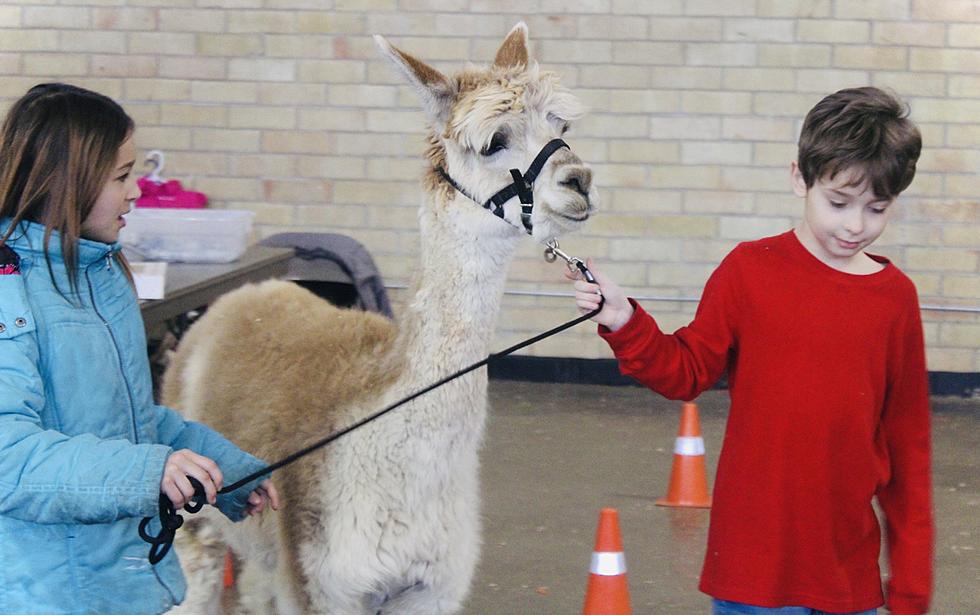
607	593
688	480
229	579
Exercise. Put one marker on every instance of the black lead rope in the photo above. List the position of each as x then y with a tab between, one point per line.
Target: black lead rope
170	519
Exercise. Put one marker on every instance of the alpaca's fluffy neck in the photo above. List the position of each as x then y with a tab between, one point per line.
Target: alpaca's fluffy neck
456	291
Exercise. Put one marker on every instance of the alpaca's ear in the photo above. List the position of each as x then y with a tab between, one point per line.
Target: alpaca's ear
513	51
435	89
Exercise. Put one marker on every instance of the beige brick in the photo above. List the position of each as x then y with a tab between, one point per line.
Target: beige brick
193	115
961	235
614	76
229	188
945	60
585	52
777	104
122	65
718	202
163	43
298	46
793	8
291	93
964	86
947	110
189	164
926	284
774	154
55	64
947	10
759	79
753	179
653	226
226	140
157	89
61	17
223	92
873	9
643	151
631	7
260	22
386	168
964	35
625	175
95	42
716	152
262	69
267	213
775	30
825	81
918	34
758	129
330	23
124	18
964	136
941	260
967	286
402	217
229	44
721	54
878	58
193	68
647	52
685	29
722	103
687	77
332	71
685	127
298	142
833	31
674	176
362	95
612	126
349	144
626	200
645	101
949	161
910	84
797	56
608	27
11	17
9	65
332	119
166	138
961	335
297	191
752	227
282	118
558	6
262	165
713	7
192	20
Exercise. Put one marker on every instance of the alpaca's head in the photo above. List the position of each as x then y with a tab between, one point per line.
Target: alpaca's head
485	122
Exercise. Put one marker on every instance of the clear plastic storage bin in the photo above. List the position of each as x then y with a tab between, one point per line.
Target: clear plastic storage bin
186	235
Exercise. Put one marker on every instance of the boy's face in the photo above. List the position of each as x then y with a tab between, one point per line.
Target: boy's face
119	191
842	216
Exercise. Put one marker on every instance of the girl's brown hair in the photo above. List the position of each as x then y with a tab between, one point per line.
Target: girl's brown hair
863	128
58	145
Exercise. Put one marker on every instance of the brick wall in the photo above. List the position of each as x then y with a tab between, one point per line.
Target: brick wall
285	108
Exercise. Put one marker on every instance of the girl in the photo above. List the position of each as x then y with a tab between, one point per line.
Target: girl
84	451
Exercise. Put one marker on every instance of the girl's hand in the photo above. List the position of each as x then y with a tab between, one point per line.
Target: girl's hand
616	311
265	492
183	463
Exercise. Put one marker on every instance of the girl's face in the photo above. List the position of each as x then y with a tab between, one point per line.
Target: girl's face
119	191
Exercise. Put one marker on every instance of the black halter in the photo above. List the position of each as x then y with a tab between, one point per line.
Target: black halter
520	187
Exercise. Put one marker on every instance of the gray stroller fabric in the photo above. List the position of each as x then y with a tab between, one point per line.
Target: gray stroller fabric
332	257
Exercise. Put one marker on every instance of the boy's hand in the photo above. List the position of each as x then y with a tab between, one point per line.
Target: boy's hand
265	492
183	463
616	311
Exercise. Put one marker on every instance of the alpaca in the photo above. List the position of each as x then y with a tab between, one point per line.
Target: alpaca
386	519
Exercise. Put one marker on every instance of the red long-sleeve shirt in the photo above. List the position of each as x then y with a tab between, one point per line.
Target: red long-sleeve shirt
829	407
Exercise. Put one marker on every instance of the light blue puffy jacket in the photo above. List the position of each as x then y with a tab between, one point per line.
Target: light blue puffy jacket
82	445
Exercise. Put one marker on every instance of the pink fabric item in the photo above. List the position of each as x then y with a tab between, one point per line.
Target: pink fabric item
168	194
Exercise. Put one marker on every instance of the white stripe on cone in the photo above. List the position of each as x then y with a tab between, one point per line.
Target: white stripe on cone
689	445
608	564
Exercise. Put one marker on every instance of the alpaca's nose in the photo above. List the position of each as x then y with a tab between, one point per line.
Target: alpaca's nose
577	178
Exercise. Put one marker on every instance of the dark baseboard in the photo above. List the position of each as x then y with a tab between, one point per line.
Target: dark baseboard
606	372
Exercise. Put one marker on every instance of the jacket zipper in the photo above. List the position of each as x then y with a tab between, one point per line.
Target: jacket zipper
115	344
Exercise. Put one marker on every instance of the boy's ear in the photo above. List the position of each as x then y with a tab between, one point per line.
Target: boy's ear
796	179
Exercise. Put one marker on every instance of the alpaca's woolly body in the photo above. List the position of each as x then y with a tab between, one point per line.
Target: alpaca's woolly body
386	519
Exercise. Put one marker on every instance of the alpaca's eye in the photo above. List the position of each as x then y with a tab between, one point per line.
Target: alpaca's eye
497	142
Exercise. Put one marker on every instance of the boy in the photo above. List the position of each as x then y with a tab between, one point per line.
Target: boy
829	395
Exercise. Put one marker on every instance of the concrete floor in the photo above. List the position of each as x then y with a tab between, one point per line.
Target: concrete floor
556	454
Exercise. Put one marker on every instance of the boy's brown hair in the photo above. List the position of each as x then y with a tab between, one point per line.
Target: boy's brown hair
864	128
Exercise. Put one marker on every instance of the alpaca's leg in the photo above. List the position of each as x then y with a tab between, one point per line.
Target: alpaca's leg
202	557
